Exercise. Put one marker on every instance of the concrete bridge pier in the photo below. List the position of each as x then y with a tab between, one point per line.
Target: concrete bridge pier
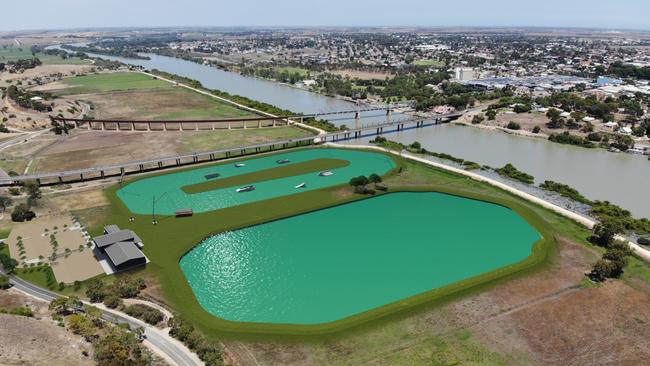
211	157
195	158
160	164
149	126
229	126
274	123
81	177
259	124
227	154
122	171
164	126
103	126
132	126
196	127
141	168
178	162
60	179
102	174
212	126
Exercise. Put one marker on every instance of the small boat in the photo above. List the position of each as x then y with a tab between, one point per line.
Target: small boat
325	173
283	161
239	165
245	189
301	185
212	176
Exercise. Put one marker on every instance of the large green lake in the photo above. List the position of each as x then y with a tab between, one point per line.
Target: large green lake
165	190
333	263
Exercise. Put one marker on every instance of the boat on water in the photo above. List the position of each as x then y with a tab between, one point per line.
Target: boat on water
325	173
283	161
301	185
239	165
245	189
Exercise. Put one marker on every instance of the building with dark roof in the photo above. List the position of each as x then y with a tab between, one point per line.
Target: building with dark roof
120	247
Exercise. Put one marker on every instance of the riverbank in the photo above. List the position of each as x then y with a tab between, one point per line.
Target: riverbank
238	105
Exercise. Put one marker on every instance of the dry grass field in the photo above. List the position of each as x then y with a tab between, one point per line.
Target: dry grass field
96	148
37	341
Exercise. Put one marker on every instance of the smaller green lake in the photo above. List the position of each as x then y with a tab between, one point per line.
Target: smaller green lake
165	190
333	263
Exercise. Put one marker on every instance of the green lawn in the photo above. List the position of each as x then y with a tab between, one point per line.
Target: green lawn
173	237
116	81
17	53
429	63
267	174
292	70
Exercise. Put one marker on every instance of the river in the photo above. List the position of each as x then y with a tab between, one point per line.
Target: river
620	178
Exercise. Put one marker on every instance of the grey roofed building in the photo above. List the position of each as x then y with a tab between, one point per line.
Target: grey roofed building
116	237
110	229
119	249
125	255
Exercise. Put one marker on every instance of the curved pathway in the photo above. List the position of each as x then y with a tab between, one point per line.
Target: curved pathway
588	223
157	340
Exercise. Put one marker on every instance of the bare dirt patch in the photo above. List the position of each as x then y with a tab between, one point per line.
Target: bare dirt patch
34	341
363	75
97	148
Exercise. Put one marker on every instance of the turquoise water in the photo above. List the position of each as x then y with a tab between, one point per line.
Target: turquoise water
334	263
166	189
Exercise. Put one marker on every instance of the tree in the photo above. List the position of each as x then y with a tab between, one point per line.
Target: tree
120	347
605	232
5	202
374	178
82	326
33	189
4	282
22	213
64	305
536	129
360	181
8	263
477	119
602	270
491	114
95	290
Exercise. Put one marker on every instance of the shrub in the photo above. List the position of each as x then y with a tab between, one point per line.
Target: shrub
511	172
22	213
147	313
536	129
112	301
513	126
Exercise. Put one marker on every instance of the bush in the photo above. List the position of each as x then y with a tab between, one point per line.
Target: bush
510	171
536	129
513	126
4	282
112	301
643	241
22	213
147	313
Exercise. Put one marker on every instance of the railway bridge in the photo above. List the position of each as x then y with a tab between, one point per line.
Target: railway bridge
214	124
150	164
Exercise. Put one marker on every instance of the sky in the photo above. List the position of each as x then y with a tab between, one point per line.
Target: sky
65	14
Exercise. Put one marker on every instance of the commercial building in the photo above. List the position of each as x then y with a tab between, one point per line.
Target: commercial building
121	248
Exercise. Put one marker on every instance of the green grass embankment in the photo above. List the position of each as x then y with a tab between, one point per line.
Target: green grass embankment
284	171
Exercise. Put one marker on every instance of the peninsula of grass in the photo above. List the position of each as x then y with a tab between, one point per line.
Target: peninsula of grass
283	171
172	238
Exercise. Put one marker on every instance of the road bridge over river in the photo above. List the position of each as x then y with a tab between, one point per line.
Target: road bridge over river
157	163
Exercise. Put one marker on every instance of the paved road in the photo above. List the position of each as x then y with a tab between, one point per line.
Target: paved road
157	339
